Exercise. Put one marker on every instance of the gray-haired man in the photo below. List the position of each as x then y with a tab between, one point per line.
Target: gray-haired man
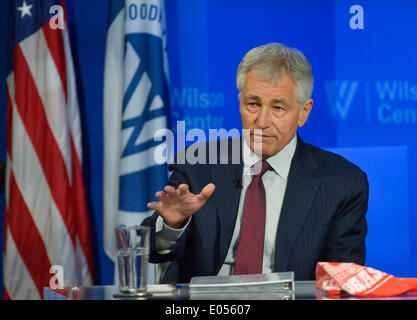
307	205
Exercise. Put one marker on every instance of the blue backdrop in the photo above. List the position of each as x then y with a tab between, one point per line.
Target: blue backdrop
365	94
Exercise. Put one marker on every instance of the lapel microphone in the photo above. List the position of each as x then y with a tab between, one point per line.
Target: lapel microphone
237	184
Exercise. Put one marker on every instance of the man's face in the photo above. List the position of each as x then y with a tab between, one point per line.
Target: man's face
273	109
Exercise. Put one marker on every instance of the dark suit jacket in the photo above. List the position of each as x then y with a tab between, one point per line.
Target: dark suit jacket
322	216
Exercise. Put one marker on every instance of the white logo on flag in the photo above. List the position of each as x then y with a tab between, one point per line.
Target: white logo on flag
135	108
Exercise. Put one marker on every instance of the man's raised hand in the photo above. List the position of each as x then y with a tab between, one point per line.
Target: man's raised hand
176	205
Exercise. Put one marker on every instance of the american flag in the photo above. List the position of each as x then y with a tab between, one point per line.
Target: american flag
46	218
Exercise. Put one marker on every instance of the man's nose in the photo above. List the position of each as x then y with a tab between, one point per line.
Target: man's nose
263	118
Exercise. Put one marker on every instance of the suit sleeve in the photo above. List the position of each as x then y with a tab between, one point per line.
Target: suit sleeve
346	242
175	180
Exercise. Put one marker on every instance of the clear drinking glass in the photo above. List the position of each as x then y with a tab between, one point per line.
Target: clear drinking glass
132	245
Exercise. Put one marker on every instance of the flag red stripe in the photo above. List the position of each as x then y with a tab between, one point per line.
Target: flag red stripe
9	152
80	207
6	212
63	5
55	44
6	225
32	113
5	294
9	112
27	238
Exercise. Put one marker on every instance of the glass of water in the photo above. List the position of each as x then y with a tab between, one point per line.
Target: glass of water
132	245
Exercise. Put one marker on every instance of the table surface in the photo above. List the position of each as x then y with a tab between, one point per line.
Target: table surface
303	290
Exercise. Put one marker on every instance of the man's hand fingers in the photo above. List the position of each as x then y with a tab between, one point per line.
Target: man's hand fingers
154	205
207	191
169	190
179	203
161	195
183	189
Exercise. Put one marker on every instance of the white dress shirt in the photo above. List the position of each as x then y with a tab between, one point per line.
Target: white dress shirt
275	183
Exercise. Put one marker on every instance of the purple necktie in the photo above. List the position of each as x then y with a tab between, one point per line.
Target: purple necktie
252	232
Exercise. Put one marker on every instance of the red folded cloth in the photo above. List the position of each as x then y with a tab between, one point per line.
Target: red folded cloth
357	280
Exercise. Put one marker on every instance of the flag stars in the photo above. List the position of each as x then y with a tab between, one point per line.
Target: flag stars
25	9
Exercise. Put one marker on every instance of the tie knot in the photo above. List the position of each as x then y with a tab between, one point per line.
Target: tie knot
260	168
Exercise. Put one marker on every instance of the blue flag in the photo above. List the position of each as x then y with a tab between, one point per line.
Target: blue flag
136	108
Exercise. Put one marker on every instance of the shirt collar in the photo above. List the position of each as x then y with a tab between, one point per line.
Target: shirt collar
280	161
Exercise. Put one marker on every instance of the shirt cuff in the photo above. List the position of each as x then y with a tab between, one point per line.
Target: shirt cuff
166	237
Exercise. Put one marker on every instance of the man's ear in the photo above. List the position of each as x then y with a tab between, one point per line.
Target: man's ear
305	112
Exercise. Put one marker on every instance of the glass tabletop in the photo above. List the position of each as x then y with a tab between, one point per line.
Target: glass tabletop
303	290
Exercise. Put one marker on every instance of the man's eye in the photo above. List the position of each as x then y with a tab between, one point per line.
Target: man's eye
252	104
279	108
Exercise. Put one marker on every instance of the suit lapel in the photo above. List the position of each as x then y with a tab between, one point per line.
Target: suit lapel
302	186
227	197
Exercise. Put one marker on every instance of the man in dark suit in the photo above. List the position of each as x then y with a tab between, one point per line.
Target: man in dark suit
283	206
